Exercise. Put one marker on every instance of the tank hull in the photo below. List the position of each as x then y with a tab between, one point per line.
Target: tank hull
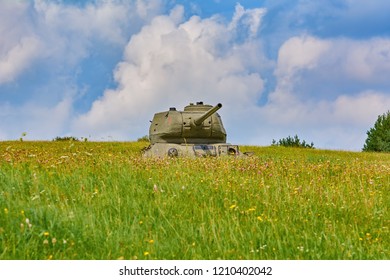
191	150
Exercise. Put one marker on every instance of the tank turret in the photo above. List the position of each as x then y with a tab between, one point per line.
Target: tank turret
196	124
195	131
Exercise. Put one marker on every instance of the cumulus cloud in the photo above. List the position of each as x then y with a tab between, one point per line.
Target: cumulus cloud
303	59
249	19
365	63
70	32
300	53
39	122
19	46
106	20
47	42
171	62
18	58
296	55
63	35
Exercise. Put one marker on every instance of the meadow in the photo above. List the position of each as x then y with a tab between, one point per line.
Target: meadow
103	201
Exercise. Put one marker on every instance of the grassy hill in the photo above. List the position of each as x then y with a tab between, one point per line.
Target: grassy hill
86	200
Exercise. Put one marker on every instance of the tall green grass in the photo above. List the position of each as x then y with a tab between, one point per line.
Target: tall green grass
72	200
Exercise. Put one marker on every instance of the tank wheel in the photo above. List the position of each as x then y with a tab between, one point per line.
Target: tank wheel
172	152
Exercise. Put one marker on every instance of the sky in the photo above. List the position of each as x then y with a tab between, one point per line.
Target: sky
101	69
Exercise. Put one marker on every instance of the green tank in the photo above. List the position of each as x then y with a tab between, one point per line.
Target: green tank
195	131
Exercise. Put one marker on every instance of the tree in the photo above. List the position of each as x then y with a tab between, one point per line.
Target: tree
143	139
378	137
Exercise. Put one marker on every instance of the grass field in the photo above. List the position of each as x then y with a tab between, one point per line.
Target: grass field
85	200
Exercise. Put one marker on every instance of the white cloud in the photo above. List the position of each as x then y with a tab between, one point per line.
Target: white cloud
18	58
251	19
105	20
360	110
296	55
341	120
347	60
170	63
70	32
333	124
63	35
147	9
299	53
39	122
53	37
367	61
19	47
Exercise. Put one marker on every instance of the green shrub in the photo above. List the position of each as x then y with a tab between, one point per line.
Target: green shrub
66	138
143	139
378	137
292	142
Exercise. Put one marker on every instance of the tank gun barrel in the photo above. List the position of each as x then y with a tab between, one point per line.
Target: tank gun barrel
201	119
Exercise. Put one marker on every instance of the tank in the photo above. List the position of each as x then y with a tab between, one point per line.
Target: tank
197	131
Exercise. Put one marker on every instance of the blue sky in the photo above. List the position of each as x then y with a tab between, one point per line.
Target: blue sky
101	69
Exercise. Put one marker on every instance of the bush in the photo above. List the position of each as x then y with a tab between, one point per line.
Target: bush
292	142
378	137
143	139
66	138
